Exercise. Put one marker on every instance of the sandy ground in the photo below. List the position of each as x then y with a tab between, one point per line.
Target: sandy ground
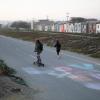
9	90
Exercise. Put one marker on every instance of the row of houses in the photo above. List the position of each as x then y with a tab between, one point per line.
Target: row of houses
75	25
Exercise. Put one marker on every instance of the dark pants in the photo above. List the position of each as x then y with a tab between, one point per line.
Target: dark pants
58	51
38	58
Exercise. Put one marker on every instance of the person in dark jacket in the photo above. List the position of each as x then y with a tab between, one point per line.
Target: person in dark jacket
38	50
58	47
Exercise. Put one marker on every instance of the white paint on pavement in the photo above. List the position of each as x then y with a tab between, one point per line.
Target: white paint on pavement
31	71
75	57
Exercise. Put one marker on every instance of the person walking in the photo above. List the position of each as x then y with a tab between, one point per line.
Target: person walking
38	50
58	47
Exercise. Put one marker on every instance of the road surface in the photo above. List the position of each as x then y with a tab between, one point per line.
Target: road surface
70	77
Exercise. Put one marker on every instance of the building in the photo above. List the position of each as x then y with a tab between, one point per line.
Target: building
98	27
62	27
44	25
77	27
57	26
84	27
53	27
68	27
91	26
71	27
0	25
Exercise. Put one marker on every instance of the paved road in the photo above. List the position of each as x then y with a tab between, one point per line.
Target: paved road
70	77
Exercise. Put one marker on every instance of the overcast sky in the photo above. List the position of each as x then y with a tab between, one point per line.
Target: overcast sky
54	9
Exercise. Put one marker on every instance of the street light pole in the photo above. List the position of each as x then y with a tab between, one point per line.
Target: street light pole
67	15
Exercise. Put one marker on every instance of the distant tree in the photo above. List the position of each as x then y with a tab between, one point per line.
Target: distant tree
0	25
20	24
77	19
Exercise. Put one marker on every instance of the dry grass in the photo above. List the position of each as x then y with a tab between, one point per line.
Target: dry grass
69	42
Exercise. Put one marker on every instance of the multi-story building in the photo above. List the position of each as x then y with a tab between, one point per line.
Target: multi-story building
75	25
92	27
44	25
57	26
71	27
62	27
84	27
98	27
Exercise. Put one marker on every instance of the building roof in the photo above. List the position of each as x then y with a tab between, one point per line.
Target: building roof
98	22
45	22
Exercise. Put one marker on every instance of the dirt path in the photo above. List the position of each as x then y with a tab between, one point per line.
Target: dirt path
9	90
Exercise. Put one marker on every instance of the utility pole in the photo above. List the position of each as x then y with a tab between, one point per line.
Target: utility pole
67	15
47	18
67	25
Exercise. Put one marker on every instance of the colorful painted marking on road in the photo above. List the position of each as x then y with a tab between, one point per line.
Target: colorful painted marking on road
83	73
85	66
93	85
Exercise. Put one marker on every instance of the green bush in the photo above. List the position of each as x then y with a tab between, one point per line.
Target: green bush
96	55
5	69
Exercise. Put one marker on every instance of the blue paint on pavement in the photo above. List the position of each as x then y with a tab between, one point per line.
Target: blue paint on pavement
85	66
